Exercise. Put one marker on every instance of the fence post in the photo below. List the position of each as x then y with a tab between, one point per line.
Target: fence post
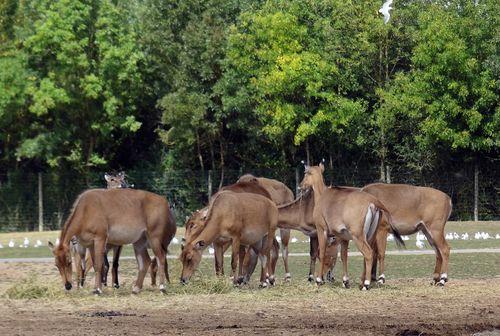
40	203
209	183
476	192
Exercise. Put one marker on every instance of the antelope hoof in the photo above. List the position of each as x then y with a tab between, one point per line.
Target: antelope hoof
116	286
441	283
288	277
365	287
381	279
319	281
97	291
263	284
310	278
346	284
271	280
136	290
330	277
163	289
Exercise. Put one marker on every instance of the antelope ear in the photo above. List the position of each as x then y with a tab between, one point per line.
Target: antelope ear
322	167
204	214
107	177
200	245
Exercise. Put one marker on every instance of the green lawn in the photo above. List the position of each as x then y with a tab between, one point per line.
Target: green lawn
471	228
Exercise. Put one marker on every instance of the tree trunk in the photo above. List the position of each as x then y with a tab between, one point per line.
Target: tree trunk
476	192
209	185
200	157
382	170
388	174
308	154
296	182
40	203
221	148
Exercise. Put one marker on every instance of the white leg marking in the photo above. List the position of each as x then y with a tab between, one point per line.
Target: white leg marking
381	279
345	278
318	279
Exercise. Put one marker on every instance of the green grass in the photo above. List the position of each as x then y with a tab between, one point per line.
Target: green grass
471	228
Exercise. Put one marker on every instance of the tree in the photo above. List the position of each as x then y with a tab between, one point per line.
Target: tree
85	63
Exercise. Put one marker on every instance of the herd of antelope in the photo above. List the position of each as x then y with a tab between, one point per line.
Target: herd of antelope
245	216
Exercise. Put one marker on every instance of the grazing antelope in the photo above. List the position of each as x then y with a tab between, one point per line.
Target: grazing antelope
245	219
280	194
117	217
196	222
414	209
347	214
81	255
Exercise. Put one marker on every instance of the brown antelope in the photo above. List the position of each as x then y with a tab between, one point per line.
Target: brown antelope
347	214
280	194
298	215
81	255
196	222
414	209
117	217
245	219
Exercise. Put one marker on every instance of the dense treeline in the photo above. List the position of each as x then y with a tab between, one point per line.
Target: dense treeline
95	85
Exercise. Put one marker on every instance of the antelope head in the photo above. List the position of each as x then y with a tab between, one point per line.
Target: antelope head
63	263
190	258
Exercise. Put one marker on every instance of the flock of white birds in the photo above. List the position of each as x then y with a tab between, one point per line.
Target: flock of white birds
419	241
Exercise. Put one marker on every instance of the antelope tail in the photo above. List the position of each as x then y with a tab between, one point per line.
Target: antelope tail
371	221
397	236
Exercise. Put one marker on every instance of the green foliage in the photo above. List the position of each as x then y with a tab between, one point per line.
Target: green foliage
227	85
451	94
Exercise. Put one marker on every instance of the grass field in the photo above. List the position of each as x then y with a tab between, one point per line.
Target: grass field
33	302
471	228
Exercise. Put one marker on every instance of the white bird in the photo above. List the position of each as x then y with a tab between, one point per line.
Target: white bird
294	240
1	246
405	238
26	242
485	235
477	235
38	243
455	235
449	236
390	237
386	7
497	236
421	236
211	250
420	244
175	241
465	236
11	243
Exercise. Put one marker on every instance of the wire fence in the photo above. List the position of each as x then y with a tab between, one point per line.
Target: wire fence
187	190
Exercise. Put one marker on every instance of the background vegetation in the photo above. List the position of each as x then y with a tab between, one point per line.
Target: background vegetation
177	91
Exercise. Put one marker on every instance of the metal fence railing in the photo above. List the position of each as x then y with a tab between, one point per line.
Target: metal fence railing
188	190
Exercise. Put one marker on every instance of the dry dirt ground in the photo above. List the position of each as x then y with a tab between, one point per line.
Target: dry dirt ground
402	307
